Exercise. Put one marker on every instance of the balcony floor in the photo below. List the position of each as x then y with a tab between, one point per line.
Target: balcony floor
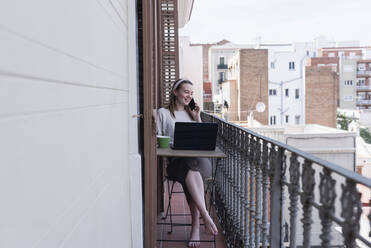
180	206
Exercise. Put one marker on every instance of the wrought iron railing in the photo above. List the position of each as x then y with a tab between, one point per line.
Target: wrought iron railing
363	102
364	72
222	66
252	185
363	87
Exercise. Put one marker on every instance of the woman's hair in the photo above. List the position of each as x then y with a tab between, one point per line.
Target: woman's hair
177	84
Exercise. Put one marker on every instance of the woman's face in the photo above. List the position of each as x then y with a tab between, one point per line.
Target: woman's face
184	94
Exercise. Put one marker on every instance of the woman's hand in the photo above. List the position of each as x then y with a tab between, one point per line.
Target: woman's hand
196	113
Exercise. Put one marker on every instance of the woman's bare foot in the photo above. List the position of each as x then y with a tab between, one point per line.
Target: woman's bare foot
195	237
210	225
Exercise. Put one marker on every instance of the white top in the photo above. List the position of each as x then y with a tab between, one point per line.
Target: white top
166	122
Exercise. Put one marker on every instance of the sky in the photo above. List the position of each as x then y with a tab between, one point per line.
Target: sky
243	21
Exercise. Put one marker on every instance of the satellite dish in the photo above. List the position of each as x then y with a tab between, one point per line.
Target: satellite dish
260	107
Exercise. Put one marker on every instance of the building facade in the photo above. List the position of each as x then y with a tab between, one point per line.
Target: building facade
321	94
363	68
247	84
286	82
347	83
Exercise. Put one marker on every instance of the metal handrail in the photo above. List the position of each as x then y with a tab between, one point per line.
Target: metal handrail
257	165
333	167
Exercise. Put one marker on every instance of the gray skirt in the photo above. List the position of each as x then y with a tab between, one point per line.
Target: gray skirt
178	168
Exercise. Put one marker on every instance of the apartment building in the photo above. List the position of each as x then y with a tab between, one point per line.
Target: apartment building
286	64
207	84
218	57
349	52
352	65
363	84
247	84
347	83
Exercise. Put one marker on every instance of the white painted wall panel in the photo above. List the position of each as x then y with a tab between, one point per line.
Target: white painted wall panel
65	174
87	30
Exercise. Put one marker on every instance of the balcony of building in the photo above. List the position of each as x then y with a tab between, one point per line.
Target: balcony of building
222	80
363	87
222	66
363	73
269	194
363	102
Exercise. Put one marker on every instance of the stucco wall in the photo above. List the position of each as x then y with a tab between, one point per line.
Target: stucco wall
67	69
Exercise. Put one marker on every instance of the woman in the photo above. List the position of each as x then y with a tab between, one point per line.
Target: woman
190	172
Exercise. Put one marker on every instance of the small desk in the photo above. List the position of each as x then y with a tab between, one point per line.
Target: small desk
168	152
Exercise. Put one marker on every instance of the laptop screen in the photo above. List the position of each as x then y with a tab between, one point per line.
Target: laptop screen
195	136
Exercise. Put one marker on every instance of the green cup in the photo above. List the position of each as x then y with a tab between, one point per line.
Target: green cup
163	141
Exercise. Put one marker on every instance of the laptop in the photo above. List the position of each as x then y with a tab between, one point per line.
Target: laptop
195	136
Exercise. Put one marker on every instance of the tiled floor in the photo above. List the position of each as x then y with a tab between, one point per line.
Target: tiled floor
180	206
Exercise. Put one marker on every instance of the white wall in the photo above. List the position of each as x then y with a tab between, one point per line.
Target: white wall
348	71
290	79
65	176
190	67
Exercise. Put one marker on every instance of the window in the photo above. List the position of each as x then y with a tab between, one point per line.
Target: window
297	119
361	67
287	92
307	53
291	65
348	82
296	93
272	92
287	119
331	55
348	98
221	60
361	82
341	54
352	54
273	120
272	65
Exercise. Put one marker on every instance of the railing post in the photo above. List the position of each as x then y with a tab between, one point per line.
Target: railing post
294	196
276	240
259	188
265	169
252	208
308	183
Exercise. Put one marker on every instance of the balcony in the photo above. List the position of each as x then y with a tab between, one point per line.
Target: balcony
269	194
222	66
363	102
363	73
222	80
363	87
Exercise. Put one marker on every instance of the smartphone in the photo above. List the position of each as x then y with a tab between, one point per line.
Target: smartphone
192	104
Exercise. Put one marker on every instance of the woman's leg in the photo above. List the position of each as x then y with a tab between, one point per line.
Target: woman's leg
195	186
195	231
